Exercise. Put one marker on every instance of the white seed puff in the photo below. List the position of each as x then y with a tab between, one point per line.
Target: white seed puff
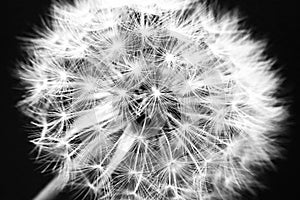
151	100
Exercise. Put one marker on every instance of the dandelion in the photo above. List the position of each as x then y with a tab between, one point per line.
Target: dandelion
150	100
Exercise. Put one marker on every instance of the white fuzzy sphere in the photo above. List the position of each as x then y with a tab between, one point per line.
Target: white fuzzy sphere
151	100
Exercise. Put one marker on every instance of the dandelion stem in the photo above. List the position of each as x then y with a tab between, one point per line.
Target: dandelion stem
52	189
124	145
57	184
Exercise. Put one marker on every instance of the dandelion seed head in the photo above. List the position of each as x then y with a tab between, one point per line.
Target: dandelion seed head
151	100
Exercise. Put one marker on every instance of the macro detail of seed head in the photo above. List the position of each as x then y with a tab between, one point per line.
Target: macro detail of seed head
150	100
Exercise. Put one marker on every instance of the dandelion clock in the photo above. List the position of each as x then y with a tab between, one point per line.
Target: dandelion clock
150	100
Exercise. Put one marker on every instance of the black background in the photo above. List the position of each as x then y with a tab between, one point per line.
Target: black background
21	179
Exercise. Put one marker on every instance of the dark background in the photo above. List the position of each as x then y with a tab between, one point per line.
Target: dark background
21	179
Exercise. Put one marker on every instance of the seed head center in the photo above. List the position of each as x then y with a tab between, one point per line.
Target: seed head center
156	92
